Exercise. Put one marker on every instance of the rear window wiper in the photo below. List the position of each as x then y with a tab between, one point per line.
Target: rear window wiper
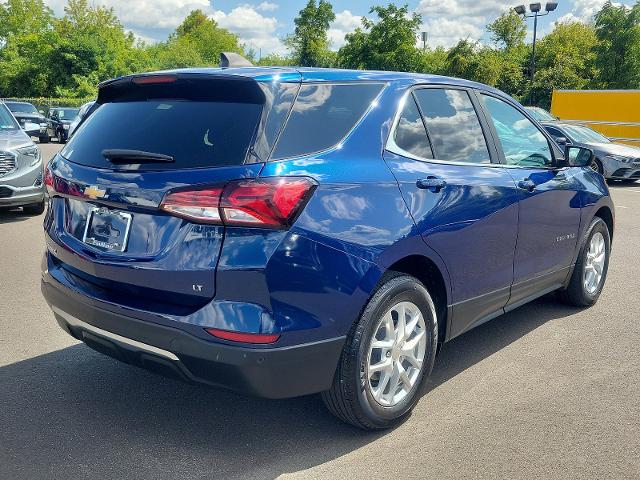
119	155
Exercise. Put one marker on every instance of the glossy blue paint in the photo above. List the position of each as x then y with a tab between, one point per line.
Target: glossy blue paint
311	282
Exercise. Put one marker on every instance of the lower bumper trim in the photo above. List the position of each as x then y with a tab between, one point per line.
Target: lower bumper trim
76	322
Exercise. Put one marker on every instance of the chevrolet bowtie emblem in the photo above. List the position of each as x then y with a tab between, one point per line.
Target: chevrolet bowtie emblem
94	192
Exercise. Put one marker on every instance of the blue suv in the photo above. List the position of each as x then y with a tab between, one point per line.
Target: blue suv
283	232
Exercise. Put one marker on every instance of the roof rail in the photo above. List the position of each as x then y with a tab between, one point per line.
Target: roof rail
230	59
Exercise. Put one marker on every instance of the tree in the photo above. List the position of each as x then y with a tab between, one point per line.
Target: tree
309	43
508	30
618	49
197	41
386	44
565	60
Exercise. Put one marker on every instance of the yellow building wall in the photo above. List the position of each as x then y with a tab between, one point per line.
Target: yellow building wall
614	113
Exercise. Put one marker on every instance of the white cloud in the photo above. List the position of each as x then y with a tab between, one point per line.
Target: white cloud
254	29
344	23
584	10
267	7
449	21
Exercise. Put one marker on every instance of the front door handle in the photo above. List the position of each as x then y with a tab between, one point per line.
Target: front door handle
527	184
434	184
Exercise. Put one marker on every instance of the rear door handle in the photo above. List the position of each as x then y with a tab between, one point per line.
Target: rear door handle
434	184
527	184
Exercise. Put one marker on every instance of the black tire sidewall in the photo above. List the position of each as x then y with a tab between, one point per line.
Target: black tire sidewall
399	289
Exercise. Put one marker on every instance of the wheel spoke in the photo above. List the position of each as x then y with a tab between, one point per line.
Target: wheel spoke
412	343
383	366
382	344
400	327
413	361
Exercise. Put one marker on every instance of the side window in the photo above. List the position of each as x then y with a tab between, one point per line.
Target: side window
410	134
322	115
522	143
554	132
453	125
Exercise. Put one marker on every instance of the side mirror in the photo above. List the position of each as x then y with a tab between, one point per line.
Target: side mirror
578	156
562	141
41	112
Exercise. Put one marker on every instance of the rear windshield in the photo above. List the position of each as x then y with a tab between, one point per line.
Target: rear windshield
195	133
322	116
21	107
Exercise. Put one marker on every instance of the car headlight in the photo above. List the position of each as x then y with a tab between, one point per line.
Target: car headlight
620	158
30	151
43	125
65	126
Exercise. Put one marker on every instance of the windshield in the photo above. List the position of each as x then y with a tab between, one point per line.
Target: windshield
21	107
540	114
67	113
581	134
7	122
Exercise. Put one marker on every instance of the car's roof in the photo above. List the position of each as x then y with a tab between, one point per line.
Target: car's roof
307	74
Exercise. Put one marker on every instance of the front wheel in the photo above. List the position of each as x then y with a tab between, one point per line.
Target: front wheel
592	265
596	166
387	355
44	139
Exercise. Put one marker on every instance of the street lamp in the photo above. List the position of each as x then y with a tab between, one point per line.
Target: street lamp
535	13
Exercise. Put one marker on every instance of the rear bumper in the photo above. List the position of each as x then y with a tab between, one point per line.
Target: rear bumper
265	372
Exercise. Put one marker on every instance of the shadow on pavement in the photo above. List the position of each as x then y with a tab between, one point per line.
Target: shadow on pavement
13	215
76	414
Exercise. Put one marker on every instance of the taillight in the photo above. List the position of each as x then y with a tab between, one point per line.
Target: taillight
48	178
267	202
259	338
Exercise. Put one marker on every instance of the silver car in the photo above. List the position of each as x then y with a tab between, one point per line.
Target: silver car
616	161
21	169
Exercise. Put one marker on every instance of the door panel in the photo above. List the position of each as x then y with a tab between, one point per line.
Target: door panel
466	212
549	207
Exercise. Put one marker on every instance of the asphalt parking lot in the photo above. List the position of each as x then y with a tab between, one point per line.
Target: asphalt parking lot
547	391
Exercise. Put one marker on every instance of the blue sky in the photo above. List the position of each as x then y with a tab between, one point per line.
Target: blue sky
262	24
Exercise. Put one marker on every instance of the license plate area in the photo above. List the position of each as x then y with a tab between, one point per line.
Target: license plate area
107	230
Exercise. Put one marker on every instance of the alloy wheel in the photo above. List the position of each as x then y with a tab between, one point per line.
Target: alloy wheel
594	263
396	354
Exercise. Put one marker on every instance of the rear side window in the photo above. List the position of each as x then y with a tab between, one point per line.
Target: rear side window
195	133
453	125
322	116
410	134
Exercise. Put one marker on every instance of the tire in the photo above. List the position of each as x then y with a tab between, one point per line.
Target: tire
352	397
577	293
34	208
596	166
44	139
60	136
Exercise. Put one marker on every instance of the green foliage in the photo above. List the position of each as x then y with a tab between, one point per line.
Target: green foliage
565	60
618	47
508	30
309	42
386	44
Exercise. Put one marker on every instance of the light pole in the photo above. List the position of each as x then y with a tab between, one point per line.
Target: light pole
535	13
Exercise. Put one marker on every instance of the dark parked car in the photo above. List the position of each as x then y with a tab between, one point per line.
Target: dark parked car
82	113
616	161
60	119
26	113
21	170
283	232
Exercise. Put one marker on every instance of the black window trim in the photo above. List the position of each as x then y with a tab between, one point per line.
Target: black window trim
553	146
383	85
392	147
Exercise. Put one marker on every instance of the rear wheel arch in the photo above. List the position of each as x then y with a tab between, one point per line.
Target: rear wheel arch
429	274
